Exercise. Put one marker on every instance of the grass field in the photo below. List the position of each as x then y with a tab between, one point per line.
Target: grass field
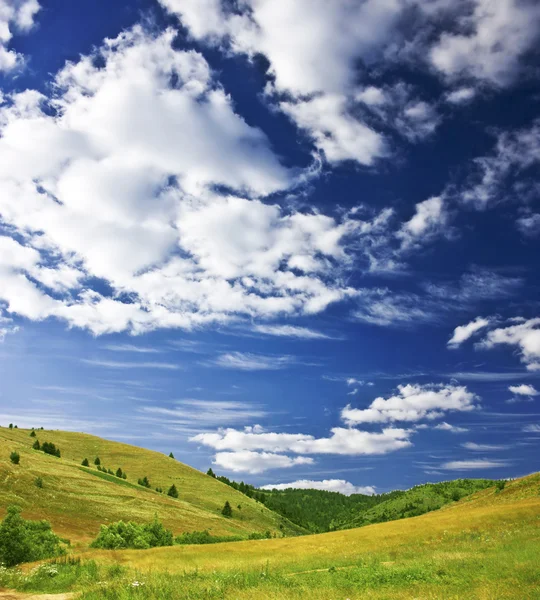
484	547
77	500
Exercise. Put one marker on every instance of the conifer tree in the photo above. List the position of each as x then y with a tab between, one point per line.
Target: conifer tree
226	511
173	492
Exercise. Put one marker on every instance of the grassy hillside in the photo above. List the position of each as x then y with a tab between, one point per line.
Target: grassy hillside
484	547
414	502
77	500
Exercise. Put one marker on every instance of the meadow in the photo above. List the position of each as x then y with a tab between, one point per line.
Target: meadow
485	546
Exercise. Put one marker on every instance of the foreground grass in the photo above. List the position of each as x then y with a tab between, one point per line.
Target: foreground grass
487	548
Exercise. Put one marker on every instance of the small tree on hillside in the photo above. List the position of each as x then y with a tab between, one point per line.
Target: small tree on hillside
171	455
32	433
36	445
85	463
119	472
226	511
11	425
211	473
173	492
145	482
97	461
15	458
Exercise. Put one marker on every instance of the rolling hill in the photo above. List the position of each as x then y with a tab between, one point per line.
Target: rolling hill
77	500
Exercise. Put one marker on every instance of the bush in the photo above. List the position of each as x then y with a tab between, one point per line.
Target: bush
145	482
85	463
15	458
500	485
172	492
32	433
39	482
119	472
97	461
226	511
26	541
203	537
50	448
36	445
131	535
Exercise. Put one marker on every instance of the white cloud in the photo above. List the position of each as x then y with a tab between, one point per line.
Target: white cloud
257	462
291	331
429	221
15	16
245	361
525	336
413	402
524	389
197	413
473	465
111	364
334	131
483	447
329	485
495	36
451	428
529	225
531	429
461	96
137	206
342	441
131	348
494	177
463	332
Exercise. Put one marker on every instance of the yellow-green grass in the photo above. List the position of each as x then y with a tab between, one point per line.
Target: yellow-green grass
77	500
486	548
488	510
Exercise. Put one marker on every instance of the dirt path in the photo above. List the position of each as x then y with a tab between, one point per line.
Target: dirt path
5	595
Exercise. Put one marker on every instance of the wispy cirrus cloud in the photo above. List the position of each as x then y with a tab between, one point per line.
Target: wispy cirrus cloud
246	361
112	364
474	465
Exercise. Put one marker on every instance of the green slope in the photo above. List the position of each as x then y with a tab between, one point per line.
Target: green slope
77	500
416	501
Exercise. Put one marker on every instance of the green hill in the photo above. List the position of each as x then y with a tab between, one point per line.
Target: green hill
77	500
417	501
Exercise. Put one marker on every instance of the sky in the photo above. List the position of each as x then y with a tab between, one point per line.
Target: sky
294	241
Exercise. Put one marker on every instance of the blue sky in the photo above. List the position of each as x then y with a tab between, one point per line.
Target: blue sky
294	241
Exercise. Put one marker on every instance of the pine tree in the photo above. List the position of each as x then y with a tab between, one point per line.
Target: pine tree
119	472
173	492
97	462
211	473
85	463
37	445
226	511
15	458
171	455
32	433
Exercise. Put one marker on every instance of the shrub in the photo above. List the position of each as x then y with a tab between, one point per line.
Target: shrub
144	481
203	537
500	485
110	471
50	448
32	433
119	472
85	463
97	461
124	475
131	535
171	455
172	492
39	482
25	541
226	511
36	445
11	425
15	458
